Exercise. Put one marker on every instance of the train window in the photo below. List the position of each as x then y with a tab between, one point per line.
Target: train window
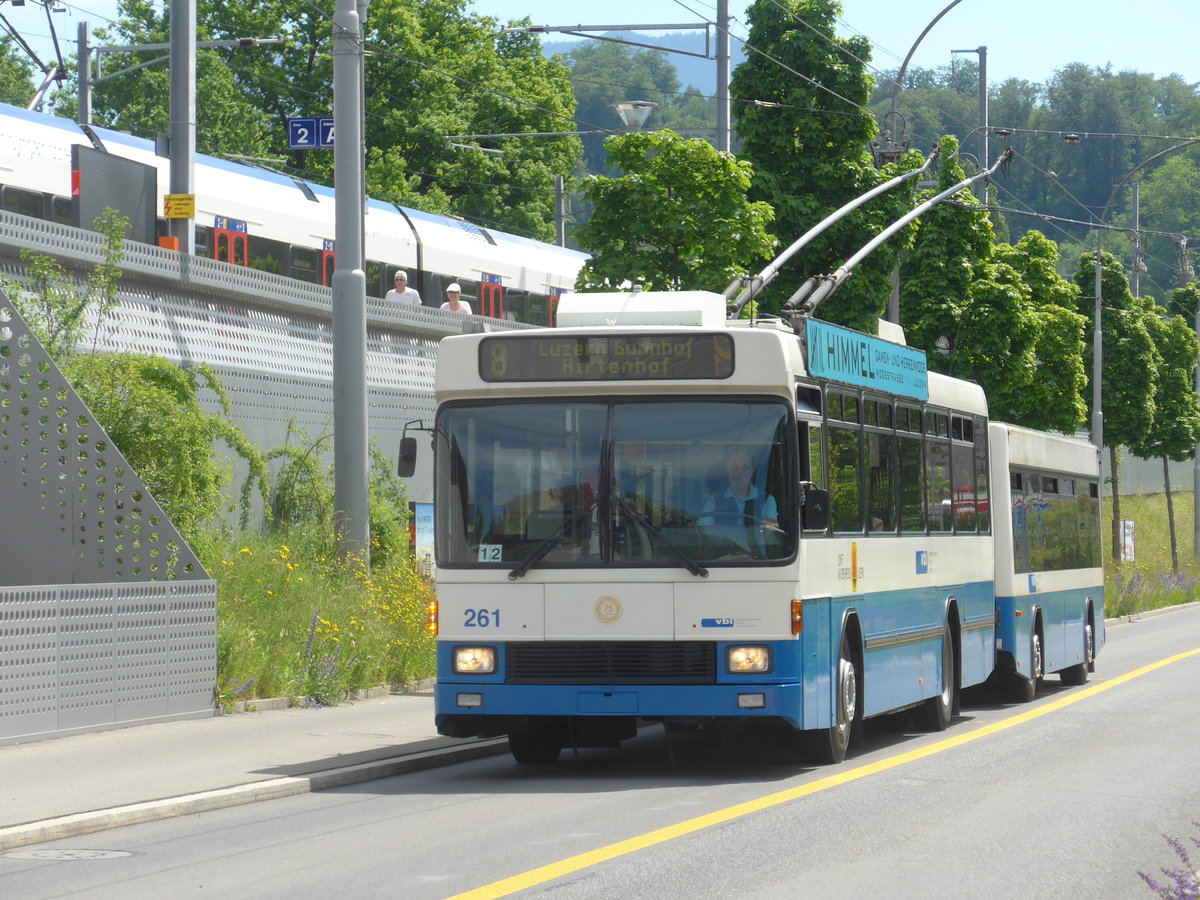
269	256
25	203
203	241
60	210
306	264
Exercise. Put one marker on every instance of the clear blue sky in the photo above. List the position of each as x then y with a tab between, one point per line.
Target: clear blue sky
1025	38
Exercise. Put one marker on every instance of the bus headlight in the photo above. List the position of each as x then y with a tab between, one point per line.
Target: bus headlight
752	658
474	660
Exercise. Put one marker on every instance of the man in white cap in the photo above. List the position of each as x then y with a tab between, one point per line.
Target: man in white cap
402	293
453	292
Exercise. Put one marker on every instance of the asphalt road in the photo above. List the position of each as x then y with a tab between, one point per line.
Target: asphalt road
1068	796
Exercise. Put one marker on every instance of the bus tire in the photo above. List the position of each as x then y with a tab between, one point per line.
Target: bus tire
535	745
1078	674
828	746
935	713
1018	688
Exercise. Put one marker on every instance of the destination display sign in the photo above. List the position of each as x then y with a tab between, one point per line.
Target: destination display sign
627	357
851	357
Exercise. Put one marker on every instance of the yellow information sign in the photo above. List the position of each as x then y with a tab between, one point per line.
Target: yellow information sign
179	206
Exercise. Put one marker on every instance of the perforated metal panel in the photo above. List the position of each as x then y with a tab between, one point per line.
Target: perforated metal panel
106	615
88	637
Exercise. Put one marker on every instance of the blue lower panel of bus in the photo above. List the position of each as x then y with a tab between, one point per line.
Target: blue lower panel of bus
506	701
1063	619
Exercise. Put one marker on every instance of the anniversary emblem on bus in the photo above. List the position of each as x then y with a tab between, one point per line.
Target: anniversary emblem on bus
608	610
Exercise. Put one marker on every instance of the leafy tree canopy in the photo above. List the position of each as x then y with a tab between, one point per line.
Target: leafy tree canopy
16	73
678	219
809	145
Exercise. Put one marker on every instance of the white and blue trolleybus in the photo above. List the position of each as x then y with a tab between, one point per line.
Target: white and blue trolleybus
653	513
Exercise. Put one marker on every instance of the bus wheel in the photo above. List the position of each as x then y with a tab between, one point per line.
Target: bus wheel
1017	688
1079	674
935	713
827	746
535	745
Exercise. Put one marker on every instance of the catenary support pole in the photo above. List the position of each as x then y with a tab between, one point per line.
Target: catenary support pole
349	287
182	128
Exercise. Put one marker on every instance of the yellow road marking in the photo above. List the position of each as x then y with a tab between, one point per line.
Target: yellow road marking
571	864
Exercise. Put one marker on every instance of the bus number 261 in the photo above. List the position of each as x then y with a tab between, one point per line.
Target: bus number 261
481	618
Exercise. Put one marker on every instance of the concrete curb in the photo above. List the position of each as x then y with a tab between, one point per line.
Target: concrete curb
270	789
1147	614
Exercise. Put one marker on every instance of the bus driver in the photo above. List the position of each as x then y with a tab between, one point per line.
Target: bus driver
741	503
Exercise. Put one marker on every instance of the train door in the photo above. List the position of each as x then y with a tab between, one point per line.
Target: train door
231	241
328	262
491	296
552	306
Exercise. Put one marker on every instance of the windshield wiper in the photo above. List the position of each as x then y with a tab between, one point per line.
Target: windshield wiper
657	536
553	540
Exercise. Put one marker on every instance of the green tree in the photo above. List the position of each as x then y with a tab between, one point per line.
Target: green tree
678	219
1129	364
604	73
1054	398
1170	202
1176	428
228	123
808	147
151	410
16	73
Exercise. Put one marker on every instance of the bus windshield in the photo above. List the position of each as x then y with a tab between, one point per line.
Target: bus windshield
678	483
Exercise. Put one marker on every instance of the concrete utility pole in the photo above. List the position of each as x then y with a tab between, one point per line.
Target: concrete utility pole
182	131
723	75
349	286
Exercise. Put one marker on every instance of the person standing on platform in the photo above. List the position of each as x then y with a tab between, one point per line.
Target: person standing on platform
402	293
453	292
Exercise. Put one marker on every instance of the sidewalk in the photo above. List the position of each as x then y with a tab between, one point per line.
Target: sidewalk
61	787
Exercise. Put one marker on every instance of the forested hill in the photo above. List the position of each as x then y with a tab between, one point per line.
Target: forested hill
692	71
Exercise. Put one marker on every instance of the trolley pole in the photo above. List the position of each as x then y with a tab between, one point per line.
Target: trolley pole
349	288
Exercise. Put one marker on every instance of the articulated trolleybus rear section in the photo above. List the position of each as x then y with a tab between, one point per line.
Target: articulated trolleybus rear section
650	513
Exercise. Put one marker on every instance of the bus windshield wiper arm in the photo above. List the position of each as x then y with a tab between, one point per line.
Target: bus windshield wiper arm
540	551
657	536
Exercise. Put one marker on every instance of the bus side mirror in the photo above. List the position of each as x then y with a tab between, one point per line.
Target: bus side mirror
408	457
814	508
